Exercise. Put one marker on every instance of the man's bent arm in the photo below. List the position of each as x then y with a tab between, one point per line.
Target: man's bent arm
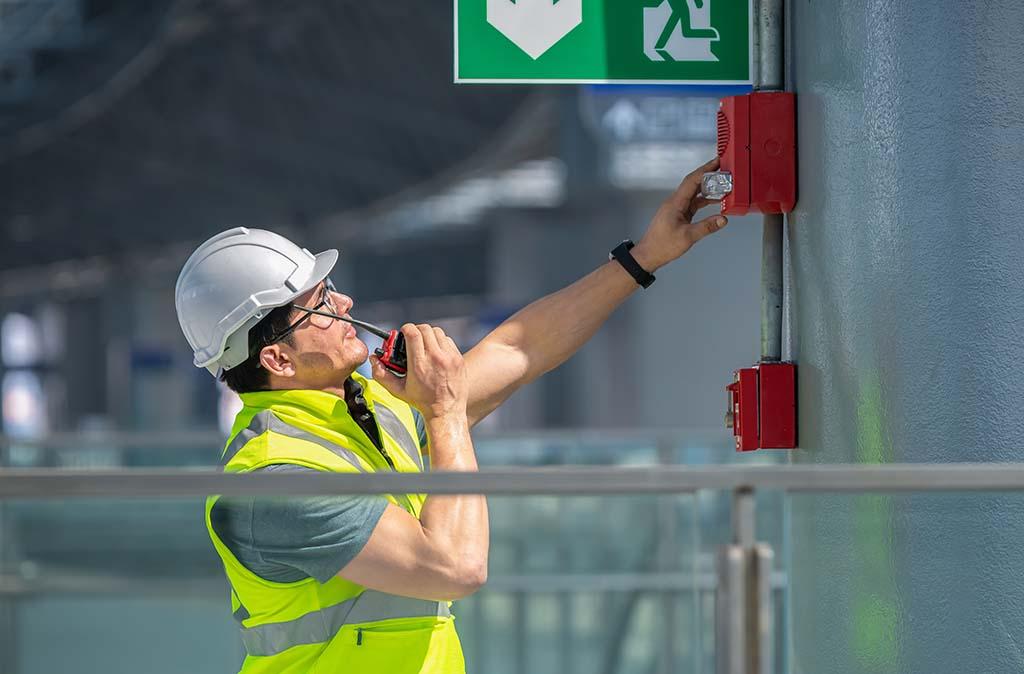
546	333
443	554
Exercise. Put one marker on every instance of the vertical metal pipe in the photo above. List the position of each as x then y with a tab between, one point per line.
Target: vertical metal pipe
771	288
770	41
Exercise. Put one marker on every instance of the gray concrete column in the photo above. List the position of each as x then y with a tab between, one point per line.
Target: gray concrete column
908	300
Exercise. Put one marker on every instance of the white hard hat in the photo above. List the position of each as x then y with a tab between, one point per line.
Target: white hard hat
232	281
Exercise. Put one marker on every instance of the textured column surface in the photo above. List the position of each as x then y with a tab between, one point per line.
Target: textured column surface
907	263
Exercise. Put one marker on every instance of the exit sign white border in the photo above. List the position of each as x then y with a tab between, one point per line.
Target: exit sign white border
710	83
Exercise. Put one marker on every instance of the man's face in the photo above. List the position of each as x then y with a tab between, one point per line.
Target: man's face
325	351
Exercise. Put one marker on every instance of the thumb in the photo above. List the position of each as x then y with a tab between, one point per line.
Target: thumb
394	385
699	230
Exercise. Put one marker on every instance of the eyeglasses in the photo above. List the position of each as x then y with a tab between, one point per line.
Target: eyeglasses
313	314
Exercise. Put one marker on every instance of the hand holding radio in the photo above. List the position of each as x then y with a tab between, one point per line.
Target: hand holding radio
435	381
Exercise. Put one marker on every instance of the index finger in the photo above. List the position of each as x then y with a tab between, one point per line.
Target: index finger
690	187
429	338
413	342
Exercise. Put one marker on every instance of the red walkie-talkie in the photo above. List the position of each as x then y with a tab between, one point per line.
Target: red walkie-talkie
392	353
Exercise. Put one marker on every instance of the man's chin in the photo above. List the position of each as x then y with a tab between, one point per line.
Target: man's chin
360	350
355	355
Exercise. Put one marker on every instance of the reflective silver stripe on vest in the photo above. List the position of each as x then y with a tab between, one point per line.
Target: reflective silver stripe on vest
320	626
241	614
268	421
390	422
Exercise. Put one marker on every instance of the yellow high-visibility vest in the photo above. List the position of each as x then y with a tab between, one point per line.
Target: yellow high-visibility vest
338	626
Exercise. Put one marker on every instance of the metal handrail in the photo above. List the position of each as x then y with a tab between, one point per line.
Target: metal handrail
18	483
212	438
68	582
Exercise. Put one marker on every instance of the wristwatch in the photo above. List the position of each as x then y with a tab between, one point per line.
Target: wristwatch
621	253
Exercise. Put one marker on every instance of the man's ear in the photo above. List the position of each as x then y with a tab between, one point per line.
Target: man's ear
277	361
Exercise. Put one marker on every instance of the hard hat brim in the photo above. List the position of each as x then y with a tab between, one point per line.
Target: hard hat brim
322	268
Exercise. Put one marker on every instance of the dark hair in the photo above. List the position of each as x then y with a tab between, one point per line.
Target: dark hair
250	376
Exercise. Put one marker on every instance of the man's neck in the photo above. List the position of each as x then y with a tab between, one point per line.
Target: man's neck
290	383
335	390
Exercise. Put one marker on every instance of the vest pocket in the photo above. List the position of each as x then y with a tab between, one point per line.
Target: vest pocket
401	646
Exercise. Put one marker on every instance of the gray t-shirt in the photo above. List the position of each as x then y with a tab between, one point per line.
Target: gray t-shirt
285	540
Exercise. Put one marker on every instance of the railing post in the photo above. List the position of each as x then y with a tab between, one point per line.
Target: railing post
743	602
730	633
667	550
8	601
744	520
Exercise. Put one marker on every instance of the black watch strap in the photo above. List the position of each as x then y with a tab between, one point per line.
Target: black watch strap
621	253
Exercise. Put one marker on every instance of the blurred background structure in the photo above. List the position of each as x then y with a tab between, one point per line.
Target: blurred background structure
131	130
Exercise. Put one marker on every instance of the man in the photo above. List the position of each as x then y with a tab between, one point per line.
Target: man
364	584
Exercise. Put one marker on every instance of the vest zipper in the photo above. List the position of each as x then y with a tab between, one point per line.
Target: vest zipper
380	449
359	636
387	457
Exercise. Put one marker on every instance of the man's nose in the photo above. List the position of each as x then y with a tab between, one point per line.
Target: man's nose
342	302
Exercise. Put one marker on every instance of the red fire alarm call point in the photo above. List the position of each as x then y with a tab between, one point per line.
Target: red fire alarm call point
762	407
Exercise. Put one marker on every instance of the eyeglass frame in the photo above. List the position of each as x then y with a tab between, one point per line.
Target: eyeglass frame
325	299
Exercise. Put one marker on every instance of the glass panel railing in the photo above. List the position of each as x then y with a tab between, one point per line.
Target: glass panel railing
577	584
617	584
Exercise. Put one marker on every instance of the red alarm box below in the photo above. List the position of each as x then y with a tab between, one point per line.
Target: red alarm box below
762	407
757	145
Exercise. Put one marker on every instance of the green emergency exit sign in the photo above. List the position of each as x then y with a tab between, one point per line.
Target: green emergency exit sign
604	41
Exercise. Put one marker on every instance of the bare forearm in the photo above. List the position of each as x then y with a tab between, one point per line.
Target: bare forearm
542	336
456	524
554	327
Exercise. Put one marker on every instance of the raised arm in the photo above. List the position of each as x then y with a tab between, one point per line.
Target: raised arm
543	335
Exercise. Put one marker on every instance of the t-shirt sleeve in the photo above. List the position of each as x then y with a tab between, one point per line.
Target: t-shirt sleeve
421	428
317	536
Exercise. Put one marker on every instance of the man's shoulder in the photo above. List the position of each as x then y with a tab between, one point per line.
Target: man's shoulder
286	540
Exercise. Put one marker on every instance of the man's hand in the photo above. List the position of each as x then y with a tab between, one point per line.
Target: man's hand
672	231
436	380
